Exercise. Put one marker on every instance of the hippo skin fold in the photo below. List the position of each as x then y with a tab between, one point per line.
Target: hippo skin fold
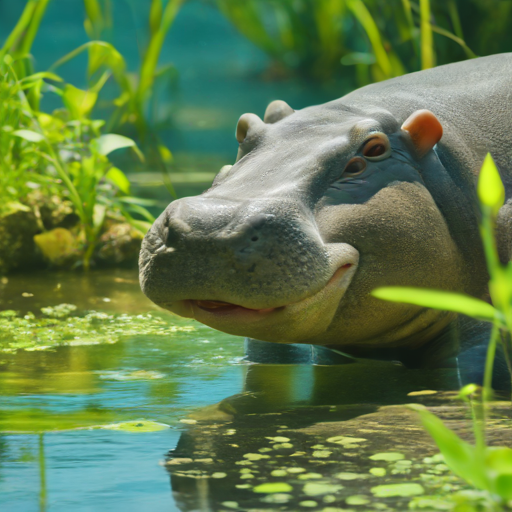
327	203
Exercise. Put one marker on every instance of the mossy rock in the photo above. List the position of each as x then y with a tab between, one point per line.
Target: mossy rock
18	225
119	245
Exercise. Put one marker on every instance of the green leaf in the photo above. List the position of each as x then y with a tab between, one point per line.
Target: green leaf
387	491
459	455
491	191
138	200
503	486
99	213
272	487
499	459
104	54
137	426
119	179
29	135
388	456
438	299
78	102
467	390
110	142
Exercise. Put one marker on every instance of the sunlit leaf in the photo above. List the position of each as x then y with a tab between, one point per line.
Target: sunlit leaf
387	491
39	76
459	455
438	299
272	487
119	179
388	456
78	102
491	191
29	135
110	142
468	390
99	216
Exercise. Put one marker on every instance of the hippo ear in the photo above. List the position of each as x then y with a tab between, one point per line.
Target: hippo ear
276	111
424	131
247	123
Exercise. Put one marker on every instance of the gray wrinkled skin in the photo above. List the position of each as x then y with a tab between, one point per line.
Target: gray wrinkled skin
275	227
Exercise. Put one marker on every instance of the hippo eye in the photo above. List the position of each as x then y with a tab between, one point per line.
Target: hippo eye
355	166
377	148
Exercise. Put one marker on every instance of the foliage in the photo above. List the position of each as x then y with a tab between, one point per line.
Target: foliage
136	101
62	153
65	153
488	468
378	40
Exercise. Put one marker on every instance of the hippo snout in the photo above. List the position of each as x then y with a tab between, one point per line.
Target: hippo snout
257	254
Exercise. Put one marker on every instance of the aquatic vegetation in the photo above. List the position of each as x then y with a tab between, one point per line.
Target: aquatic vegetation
65	327
487	468
372	41
62	156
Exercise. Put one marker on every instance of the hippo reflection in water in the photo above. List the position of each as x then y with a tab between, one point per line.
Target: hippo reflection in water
327	203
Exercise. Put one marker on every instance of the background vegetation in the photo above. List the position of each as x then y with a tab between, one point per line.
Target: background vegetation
65	203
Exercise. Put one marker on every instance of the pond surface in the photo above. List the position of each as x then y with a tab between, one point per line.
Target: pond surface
131	408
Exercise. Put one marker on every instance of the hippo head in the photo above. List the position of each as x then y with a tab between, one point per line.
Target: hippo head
322	206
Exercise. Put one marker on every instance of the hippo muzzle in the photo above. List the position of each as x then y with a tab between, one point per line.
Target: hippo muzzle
246	266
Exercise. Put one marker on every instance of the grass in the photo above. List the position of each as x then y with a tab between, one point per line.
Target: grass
359	41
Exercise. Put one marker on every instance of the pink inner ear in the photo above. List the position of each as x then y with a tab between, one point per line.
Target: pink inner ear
424	129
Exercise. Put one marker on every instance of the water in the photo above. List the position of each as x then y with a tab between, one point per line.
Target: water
232	426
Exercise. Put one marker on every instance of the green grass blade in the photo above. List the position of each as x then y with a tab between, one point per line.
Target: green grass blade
438	299
20	27
427	41
94	21
150	62
362	14
441	31
454	16
33	27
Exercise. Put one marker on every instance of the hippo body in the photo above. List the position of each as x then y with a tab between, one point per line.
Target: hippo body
325	204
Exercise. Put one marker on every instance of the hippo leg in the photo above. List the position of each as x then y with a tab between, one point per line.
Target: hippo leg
471	364
265	352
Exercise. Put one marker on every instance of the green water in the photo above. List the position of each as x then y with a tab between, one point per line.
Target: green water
118	419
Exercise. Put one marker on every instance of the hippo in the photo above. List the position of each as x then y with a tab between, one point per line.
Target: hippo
327	203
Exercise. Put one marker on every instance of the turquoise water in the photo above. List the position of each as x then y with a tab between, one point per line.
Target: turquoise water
73	417
220	74
157	378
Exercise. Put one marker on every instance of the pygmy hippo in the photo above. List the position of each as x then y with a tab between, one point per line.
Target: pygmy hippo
327	203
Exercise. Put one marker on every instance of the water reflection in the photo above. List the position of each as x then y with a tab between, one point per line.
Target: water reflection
276	431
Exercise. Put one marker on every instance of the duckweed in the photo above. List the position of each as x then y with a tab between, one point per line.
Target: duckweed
271	487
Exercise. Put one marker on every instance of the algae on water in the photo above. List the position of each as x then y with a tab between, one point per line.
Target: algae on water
62	325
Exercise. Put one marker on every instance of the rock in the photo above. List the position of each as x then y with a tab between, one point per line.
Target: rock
18	225
119	245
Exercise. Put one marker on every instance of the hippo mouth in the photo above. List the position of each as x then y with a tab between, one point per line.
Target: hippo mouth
289	323
220	307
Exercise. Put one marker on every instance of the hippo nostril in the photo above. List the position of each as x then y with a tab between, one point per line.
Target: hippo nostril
254	238
171	237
